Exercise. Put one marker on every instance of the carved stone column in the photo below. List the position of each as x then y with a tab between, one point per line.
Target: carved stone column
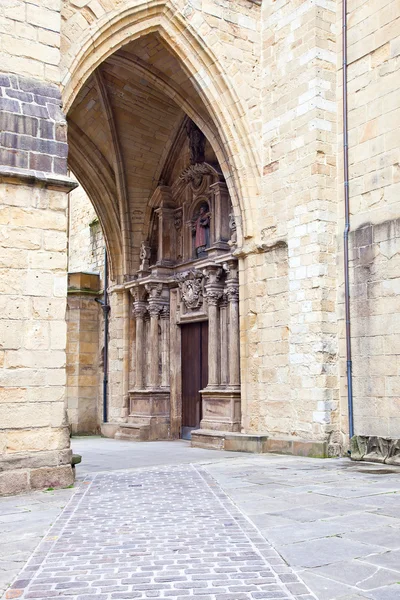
224	339
149	417
213	293
154	308
221	402
139	311
165	325
232	292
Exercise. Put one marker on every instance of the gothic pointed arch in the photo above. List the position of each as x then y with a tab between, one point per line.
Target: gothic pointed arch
222	117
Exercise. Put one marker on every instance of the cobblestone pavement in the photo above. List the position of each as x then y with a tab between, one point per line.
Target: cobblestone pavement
168	532
336	523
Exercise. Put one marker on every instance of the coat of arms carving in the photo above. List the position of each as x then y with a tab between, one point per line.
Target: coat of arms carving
191	288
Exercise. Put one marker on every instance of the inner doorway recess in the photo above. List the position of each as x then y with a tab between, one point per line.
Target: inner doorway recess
194	374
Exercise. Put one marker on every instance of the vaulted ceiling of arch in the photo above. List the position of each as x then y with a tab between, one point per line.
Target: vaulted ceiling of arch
147	93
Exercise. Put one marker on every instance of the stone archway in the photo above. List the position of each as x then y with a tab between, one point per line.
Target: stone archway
155	165
223	119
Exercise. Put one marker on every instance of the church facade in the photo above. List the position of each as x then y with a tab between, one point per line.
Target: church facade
242	161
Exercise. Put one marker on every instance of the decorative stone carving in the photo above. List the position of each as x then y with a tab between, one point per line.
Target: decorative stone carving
358	447
213	296
197	143
191	288
394	453
139	310
165	312
178	220
154	290
213	274
377	449
232	227
195	173
144	255
232	292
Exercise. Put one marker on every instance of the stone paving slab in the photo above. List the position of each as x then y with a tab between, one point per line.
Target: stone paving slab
288	499
24	520
336	523
168	532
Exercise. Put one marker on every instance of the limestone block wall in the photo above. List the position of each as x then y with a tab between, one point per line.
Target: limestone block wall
30	34
84	372
300	207
374	155
34	435
85	238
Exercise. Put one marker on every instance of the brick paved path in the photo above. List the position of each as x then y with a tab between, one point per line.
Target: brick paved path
158	533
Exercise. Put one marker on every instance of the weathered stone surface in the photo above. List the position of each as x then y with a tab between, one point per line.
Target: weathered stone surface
358	447
14	482
55	477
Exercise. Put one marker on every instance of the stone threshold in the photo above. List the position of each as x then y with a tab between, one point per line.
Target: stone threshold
225	440
257	443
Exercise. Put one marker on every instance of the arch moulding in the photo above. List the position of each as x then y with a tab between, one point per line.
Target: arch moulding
235	151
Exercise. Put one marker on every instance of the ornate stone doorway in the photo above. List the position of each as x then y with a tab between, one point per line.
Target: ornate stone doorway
194	344
167	205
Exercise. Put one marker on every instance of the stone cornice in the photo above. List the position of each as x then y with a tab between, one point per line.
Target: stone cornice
37	178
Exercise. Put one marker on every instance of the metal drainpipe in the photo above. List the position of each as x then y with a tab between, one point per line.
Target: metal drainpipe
106	309
347	223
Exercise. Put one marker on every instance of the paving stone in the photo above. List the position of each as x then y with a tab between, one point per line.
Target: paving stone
387	537
189	522
388	560
390	593
324	551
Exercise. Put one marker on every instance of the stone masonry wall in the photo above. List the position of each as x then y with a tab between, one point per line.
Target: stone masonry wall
300	205
86	242
374	157
85	323
30	34
34	435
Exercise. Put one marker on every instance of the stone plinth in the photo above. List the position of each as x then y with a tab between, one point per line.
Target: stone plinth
150	411
221	409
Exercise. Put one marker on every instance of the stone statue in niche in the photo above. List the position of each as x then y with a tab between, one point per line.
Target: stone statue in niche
197	143
232	227
178	227
201	230
144	255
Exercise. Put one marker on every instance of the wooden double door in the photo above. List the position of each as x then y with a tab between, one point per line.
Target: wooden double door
194	352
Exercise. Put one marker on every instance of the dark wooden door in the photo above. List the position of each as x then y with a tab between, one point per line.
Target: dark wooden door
194	339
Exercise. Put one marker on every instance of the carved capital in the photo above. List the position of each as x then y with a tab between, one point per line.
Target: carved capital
154	309
213	274
154	290
213	296
139	310
224	301
165	312
231	268
232	292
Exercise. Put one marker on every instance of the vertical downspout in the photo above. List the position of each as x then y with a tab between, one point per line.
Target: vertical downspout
106	309
347	222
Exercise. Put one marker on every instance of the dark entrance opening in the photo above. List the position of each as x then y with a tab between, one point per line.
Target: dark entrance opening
194	340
